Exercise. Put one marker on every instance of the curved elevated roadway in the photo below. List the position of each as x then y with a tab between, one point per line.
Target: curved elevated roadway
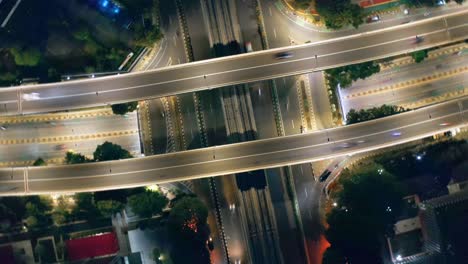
234	158
231	70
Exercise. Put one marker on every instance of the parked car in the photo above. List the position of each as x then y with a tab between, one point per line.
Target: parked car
248	46
324	176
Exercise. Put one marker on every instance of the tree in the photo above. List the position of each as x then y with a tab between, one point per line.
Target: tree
187	227
75	158
39	162
346	75
108	208
147	204
59	217
368	206
156	254
122	109
302	4
339	13
31	221
362	115
110	151
419	56
26	56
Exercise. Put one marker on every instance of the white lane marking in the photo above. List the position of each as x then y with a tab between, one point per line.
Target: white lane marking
391	143
292	122
305	190
274	32
302	171
11	13
269	10
178	60
175	41
259	91
155	56
223	72
169	61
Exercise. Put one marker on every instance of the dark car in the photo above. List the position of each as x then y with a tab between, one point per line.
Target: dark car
283	55
324	176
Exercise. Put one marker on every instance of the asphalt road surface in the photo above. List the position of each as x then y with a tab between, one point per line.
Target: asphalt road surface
235	158
231	70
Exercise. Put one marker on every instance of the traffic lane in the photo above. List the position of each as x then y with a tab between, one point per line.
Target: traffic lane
294	66
106	178
253	59
12	181
29	152
104	173
408	95
298	141
146	90
71	127
399	74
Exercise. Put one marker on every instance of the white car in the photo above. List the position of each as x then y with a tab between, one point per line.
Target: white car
31	96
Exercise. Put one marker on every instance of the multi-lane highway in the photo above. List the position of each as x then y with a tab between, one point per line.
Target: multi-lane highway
234	158
233	70
25	138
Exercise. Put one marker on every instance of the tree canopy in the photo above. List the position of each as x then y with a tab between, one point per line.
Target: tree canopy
187	226
108	208
339	13
122	109
346	75
147	204
110	151
26	56
419	56
39	162
368	205
75	158
362	115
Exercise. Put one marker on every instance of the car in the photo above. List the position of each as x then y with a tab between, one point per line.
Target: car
418	39
373	18
210	244
406	11
31	96
324	175
283	55
3	128
396	134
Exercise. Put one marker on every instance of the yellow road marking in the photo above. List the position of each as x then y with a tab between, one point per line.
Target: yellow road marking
69	138
414	82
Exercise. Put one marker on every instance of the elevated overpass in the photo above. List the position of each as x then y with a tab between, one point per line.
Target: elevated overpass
235	158
237	69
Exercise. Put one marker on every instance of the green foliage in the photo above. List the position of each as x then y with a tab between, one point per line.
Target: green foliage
75	158
362	115
188	229
39	162
368	206
59	217
419	55
108	208
135	6
333	256
122	109
82	34
156	254
148	203
110	151
435	168
302	4
26	56
346	75
32	222
147	37
339	13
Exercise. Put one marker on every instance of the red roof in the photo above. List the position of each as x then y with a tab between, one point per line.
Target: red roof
88	247
6	255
